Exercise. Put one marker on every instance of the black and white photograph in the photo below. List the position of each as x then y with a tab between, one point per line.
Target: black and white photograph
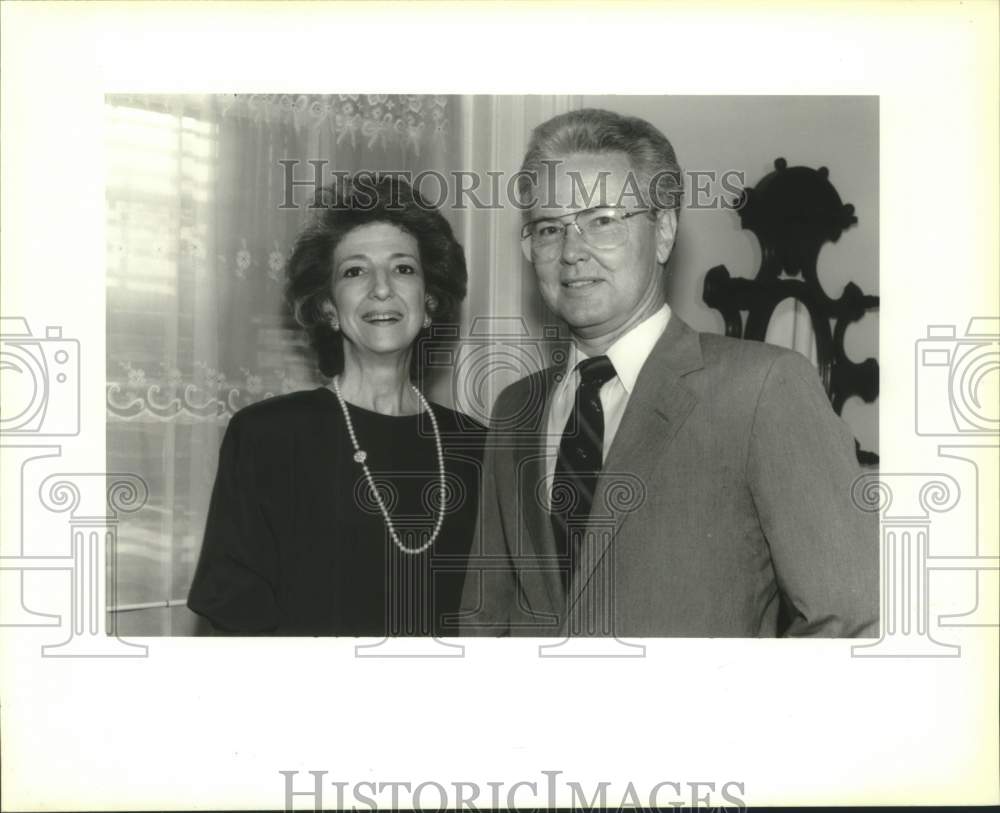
354	344
439	406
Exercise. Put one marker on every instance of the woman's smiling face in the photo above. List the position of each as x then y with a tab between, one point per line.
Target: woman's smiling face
378	288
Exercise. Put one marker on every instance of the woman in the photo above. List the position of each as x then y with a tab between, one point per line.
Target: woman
326	517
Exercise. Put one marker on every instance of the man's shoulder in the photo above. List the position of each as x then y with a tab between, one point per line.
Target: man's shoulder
752	378
528	383
745	359
525	397
727	351
736	372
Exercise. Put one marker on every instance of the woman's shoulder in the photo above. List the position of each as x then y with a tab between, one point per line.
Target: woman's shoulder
457	422
280	410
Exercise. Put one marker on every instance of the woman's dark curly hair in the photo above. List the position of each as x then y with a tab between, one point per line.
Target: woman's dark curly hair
358	200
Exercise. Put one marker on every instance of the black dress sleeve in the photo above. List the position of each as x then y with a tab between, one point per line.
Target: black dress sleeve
234	585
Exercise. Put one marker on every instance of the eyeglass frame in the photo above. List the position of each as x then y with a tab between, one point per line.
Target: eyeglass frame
526	238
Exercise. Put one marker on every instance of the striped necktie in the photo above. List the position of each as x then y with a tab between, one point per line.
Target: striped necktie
579	462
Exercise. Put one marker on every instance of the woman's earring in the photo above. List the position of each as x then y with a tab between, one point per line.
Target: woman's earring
427	321
331	316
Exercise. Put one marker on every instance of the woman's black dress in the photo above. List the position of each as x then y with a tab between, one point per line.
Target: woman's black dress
296	545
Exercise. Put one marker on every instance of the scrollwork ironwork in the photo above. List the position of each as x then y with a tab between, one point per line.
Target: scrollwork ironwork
793	212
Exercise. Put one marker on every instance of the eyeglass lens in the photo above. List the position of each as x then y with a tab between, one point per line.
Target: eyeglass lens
601	229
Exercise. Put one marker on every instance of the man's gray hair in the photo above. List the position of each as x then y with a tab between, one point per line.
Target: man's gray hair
657	173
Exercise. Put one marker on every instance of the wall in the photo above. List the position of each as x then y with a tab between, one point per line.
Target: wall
747	133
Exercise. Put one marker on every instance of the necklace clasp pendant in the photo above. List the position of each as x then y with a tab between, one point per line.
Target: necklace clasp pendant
360	456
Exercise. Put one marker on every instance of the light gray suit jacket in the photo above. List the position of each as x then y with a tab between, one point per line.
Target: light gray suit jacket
723	509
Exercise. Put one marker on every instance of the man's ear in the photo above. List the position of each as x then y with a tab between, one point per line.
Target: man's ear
666	232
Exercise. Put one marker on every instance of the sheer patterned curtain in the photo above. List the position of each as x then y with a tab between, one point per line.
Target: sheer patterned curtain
197	238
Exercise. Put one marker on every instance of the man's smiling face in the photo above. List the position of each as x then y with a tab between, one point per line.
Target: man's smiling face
601	292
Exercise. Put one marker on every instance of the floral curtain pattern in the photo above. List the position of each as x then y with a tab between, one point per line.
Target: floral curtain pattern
409	122
197	239
230	232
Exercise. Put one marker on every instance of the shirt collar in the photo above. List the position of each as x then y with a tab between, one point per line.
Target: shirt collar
631	350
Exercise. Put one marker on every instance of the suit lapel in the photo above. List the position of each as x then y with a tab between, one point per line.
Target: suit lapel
657	408
536	547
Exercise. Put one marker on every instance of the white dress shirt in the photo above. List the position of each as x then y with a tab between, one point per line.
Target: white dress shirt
628	354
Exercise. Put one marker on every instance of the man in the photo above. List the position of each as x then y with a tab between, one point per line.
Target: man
661	482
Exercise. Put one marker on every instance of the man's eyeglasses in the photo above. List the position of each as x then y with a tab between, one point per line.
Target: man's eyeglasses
602	227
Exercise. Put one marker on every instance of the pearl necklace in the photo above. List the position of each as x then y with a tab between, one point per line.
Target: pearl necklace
360	456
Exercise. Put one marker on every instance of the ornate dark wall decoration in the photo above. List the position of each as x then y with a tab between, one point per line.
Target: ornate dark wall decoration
793	212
